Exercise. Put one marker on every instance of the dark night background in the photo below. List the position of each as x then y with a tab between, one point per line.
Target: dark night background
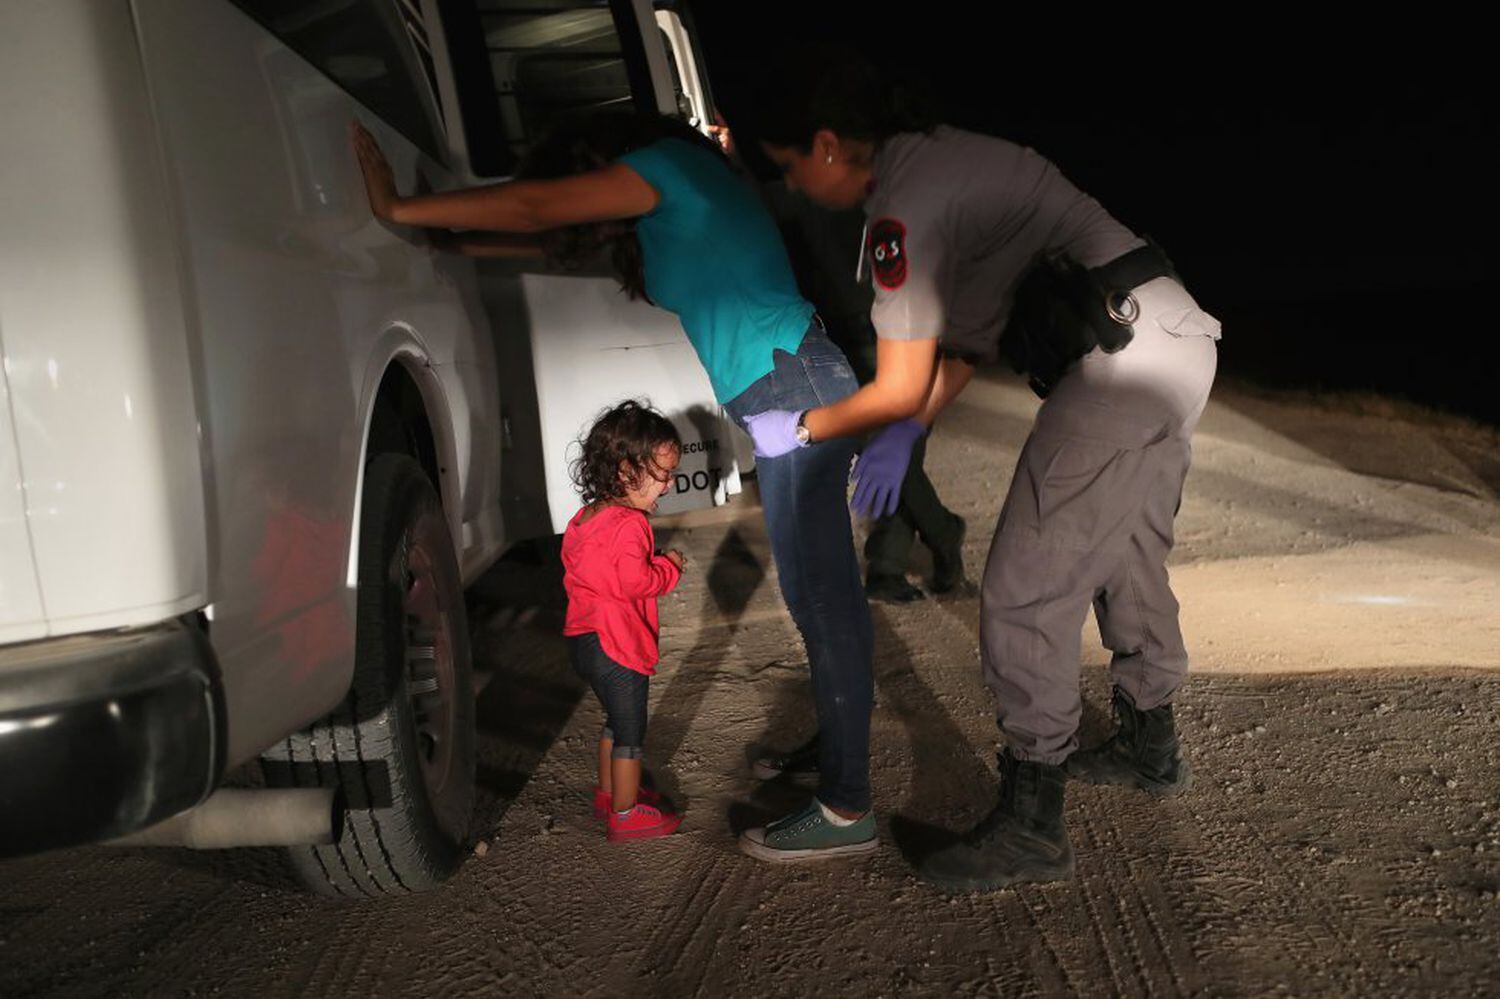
1324	189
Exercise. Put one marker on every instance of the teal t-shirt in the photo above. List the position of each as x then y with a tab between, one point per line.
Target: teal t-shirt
712	255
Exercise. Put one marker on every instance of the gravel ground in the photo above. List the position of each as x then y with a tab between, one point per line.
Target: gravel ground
1338	565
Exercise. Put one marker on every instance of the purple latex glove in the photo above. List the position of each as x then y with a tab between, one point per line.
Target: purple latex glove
881	468
774	432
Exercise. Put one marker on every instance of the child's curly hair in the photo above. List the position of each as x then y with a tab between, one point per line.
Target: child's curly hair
631	433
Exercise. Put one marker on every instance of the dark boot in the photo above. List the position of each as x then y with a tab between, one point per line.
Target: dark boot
799	765
1023	840
948	560
1142	753
892	589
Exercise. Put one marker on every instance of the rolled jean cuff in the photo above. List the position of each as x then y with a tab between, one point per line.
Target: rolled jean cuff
618	752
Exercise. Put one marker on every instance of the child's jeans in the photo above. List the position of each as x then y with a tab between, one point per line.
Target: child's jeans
621	690
805	497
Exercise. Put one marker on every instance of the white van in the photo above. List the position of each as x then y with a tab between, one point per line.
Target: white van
253	444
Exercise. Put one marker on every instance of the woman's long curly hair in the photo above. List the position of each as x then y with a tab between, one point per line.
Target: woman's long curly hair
591	143
630	433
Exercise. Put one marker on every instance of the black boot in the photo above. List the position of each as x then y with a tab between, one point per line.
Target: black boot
1142	753
1023	840
892	589
798	765
948	561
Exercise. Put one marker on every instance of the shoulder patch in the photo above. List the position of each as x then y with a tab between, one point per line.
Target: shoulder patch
888	253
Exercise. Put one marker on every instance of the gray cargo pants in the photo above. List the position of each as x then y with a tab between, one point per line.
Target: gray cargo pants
1089	520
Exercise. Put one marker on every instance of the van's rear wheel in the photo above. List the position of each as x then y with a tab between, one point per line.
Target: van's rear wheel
401	747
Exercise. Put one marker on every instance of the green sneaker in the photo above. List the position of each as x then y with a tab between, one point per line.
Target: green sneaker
807	835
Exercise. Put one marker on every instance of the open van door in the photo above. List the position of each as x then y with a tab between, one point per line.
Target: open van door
694	100
569	345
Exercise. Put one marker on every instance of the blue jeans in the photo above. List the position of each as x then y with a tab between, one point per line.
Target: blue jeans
804	495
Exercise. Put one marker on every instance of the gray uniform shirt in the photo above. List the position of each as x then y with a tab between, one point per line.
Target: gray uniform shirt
955	218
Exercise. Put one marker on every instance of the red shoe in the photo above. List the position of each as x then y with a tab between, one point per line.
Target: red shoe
642	822
603	804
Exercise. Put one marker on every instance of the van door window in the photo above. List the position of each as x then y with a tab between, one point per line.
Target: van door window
541	62
376	50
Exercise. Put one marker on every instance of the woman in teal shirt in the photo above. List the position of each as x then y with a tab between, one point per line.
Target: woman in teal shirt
684	231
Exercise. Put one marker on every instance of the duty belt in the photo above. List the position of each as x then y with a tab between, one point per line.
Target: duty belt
1122	275
1062	311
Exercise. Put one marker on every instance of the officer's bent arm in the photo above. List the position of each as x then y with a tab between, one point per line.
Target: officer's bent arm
903	379
953	374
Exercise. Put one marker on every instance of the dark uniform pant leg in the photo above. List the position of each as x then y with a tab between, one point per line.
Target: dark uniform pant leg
888	546
920	514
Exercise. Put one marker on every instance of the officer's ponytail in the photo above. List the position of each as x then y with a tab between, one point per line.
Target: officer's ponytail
833	87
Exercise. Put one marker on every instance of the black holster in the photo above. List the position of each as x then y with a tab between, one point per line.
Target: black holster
1064	310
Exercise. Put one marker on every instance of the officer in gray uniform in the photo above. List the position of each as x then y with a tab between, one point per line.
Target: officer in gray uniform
956	221
961	226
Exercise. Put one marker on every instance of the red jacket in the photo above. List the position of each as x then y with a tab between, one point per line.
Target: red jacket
613	576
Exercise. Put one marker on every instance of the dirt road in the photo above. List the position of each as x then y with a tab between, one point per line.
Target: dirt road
1339	569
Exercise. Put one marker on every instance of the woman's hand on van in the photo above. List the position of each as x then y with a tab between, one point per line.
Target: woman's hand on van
380	180
721	134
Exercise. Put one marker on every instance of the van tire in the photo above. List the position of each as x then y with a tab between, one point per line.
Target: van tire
401	748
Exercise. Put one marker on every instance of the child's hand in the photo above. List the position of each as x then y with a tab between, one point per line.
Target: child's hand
380	180
678	559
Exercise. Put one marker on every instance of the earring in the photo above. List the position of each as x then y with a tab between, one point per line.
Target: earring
830	158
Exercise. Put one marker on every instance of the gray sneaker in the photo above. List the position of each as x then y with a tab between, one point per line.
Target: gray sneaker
807	835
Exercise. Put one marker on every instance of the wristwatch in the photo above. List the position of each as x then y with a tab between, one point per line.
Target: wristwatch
804	435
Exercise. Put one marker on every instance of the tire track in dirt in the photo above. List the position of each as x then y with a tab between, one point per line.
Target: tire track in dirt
343	958
1099	932
678	956
1033	903
111	945
177	938
1290	865
1135	890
